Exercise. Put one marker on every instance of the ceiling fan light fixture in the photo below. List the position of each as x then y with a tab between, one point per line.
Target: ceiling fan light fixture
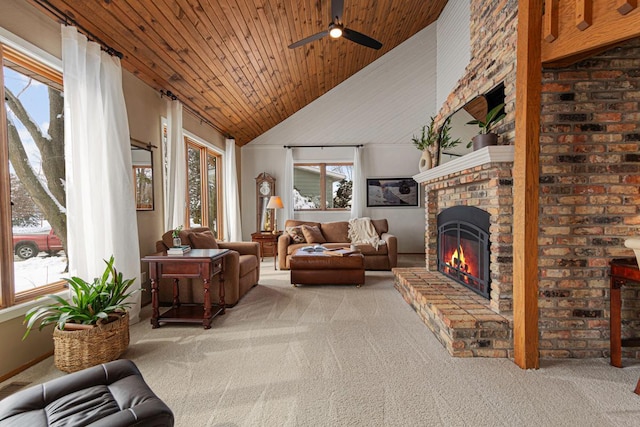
335	31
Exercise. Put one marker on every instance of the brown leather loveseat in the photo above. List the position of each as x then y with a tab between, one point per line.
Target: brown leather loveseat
335	235
242	266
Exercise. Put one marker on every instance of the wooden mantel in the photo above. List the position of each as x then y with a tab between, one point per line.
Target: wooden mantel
577	29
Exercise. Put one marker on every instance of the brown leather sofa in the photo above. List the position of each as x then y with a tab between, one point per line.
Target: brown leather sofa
242	266
336	234
112	394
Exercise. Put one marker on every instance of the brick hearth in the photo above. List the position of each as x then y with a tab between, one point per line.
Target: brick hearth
461	319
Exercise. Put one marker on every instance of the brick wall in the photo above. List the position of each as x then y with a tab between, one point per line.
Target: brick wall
493	60
589	198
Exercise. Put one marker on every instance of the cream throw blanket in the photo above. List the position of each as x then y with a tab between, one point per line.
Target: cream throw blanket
361	230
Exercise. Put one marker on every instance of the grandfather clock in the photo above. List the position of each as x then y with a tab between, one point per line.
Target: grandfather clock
265	234
265	188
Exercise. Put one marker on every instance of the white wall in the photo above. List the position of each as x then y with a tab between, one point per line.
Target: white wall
381	106
454	46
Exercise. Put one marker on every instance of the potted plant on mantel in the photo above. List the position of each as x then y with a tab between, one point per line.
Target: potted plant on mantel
93	327
424	143
485	137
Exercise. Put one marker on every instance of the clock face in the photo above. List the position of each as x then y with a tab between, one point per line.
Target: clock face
265	188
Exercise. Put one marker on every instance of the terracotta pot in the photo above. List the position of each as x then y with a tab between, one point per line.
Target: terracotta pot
484	140
426	162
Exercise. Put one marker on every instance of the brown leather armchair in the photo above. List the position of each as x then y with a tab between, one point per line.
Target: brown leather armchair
242	266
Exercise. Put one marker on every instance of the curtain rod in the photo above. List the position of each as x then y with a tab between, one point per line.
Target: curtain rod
324	146
199	116
67	19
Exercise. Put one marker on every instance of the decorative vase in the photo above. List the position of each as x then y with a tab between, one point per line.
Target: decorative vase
484	140
425	161
177	242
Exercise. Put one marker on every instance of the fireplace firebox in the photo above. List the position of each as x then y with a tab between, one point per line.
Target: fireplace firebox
463	247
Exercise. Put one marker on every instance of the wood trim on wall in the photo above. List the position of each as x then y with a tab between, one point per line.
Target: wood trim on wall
525	184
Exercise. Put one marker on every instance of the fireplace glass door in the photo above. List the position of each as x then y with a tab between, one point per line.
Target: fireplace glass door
463	247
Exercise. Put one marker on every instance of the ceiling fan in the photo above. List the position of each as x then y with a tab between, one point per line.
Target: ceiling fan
337	29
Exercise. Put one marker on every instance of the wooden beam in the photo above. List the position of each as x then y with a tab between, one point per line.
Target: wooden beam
584	15
608	27
626	6
525	185
550	21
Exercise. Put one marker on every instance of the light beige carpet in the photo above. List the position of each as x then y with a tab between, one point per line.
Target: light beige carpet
342	356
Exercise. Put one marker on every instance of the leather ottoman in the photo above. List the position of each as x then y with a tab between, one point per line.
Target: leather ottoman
316	268
112	394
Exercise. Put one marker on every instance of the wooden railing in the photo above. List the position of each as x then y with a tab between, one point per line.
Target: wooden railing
576	29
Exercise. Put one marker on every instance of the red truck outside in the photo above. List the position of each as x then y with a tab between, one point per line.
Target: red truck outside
29	245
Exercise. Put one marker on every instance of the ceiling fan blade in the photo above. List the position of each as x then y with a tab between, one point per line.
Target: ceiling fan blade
309	39
337	7
360	38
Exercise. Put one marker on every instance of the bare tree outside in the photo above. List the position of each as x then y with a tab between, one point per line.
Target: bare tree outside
41	173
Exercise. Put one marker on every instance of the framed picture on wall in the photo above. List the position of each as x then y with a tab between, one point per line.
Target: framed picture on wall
395	192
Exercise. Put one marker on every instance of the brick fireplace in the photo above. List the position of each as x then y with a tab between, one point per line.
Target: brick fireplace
467	323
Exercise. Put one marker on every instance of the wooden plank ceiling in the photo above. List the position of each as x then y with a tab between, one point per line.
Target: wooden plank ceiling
228	59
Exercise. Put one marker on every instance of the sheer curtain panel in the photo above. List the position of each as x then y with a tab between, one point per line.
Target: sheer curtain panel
175	195
233	227
287	194
101	213
358	186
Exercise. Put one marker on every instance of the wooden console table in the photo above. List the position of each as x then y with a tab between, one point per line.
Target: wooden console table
198	263
622	270
268	245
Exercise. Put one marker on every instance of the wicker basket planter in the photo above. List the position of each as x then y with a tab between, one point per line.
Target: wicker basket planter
79	349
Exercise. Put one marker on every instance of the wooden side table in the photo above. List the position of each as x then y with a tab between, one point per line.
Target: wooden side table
268	245
622	270
197	263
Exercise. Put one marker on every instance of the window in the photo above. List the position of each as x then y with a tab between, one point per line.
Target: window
33	175
322	186
204	187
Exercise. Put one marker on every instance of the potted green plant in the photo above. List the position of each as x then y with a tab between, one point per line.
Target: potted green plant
177	241
485	137
427	139
93	326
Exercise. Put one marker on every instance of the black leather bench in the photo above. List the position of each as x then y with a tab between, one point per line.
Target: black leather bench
112	394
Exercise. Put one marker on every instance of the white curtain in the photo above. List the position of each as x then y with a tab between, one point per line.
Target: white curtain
233	226
175	192
101	212
358	188
287	194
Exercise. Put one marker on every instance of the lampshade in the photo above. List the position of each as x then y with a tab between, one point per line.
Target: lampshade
275	202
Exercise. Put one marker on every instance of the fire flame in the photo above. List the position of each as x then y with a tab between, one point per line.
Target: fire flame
459	263
457	258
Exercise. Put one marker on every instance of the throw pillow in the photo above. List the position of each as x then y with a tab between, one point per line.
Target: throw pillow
296	234
203	240
313	234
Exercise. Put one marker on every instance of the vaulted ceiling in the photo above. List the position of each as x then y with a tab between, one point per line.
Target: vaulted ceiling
229	61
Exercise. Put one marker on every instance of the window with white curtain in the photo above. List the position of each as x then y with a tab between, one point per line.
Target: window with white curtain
204	183
35	174
322	186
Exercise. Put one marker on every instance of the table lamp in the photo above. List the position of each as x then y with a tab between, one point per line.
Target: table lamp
275	202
